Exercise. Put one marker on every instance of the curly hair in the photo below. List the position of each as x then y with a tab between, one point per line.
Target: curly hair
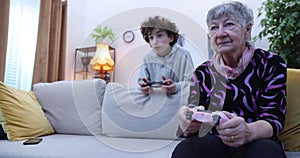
162	23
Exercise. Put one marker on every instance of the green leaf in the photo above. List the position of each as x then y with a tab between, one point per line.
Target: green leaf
100	33
281	25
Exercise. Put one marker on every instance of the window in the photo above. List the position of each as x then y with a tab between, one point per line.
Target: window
22	38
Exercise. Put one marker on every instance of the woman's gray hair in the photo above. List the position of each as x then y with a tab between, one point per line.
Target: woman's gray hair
240	11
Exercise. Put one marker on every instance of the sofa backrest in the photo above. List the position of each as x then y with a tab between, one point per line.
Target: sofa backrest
290	135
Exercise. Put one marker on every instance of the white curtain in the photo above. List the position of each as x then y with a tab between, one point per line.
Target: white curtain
22	39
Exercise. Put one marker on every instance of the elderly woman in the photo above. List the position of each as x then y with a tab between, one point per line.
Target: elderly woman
247	84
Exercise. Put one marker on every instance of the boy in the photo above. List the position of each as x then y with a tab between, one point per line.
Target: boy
167	64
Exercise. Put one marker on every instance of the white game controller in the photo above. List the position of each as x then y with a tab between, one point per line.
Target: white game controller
204	116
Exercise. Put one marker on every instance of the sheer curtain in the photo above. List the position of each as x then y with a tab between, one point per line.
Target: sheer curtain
22	39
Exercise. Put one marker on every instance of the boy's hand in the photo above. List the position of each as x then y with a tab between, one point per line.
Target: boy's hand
146	89
168	85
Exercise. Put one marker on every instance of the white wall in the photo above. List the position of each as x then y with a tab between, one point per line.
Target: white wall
84	16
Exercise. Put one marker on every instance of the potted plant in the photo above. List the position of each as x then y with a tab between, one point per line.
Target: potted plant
281	25
99	34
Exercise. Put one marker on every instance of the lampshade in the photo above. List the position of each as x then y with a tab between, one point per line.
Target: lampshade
102	60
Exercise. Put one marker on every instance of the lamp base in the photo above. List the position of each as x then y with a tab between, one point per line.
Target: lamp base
104	76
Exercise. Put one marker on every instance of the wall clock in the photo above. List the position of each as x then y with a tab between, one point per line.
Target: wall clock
128	36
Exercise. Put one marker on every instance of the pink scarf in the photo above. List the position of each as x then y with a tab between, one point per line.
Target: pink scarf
232	73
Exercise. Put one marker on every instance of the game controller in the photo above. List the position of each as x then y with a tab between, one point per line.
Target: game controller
155	83
205	116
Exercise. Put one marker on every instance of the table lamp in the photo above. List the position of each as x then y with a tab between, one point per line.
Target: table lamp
102	63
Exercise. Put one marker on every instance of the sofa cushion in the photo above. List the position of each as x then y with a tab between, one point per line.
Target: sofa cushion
127	112
290	136
83	146
72	107
21	115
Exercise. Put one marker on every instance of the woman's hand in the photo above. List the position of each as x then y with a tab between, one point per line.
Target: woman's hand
234	132
168	85
186	125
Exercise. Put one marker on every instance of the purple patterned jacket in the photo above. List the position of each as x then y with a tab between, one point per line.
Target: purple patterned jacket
259	93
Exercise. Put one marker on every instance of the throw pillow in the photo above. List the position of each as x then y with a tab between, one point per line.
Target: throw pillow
72	107
21	115
127	112
290	135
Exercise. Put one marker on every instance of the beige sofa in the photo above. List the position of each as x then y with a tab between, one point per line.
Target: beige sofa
88	119
290	136
91	119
